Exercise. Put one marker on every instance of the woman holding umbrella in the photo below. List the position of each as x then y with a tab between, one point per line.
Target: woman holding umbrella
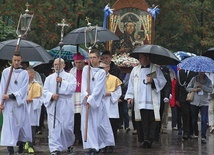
201	85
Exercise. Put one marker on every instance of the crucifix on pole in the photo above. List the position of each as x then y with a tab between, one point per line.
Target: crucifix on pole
63	24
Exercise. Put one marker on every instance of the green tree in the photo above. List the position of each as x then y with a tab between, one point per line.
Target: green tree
185	25
6	32
48	13
181	25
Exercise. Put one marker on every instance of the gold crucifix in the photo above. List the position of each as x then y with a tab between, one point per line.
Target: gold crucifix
27	5
63	24
87	19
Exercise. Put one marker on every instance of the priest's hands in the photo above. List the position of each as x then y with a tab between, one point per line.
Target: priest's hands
86	97
149	79
108	94
55	97
1	106
5	96
129	101
59	79
29	100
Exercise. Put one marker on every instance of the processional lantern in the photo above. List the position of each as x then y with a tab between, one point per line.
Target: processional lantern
91	34
24	22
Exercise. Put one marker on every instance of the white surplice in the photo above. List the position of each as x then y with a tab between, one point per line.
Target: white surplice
77	95
111	102
16	123
62	136
34	107
146	94
100	132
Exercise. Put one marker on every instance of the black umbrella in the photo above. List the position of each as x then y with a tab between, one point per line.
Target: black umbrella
209	53
157	54
30	51
87	35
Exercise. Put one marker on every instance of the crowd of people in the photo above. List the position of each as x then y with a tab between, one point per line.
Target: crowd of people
89	104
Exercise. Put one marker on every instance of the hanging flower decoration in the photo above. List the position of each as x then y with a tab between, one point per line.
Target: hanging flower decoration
107	12
124	60
154	10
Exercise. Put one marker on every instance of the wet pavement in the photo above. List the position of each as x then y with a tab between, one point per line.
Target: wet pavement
169	144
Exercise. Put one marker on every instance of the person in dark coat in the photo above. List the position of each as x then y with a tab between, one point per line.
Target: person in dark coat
123	108
184	78
164	106
114	69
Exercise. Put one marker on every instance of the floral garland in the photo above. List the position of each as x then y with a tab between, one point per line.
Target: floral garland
124	60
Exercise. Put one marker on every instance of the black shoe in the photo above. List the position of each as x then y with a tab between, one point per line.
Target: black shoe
127	130
110	149
104	150
20	148
55	153
10	150
203	140
185	137
144	144
147	144
121	127
93	152
70	150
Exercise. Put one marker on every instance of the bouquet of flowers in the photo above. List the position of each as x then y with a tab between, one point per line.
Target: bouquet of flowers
124	60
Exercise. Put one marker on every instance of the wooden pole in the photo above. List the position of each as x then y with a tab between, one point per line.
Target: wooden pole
10	74
87	105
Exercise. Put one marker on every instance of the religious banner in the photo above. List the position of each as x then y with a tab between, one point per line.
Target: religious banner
132	23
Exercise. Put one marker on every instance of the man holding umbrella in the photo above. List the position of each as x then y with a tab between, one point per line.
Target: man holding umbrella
145	83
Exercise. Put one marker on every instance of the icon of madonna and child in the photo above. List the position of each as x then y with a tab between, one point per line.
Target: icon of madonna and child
133	30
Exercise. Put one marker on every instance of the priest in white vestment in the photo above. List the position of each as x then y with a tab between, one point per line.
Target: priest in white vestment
145	85
16	127
61	136
99	133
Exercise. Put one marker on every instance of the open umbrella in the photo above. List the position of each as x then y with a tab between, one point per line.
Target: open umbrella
157	54
209	53
68	52
87	35
197	64
30	51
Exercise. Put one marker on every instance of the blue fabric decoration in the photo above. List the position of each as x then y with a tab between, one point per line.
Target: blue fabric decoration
181	55
154	11
107	12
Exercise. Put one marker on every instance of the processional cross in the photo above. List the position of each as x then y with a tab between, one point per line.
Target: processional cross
63	24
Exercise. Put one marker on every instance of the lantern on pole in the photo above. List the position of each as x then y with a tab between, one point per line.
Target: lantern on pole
22	28
24	22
